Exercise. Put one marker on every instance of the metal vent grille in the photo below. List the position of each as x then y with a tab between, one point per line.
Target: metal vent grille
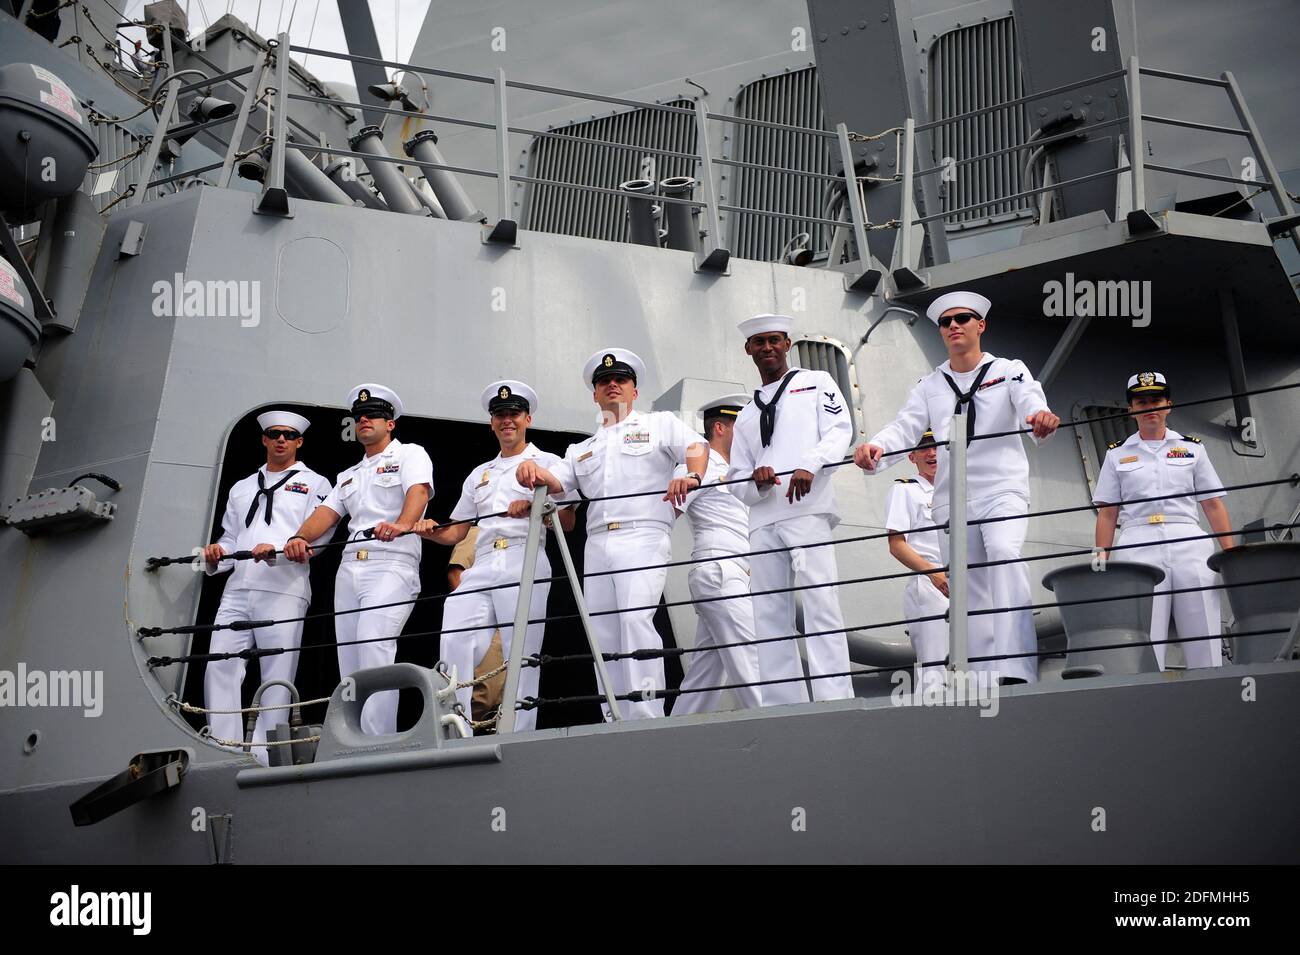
793	99
971	68
595	215
819	354
115	142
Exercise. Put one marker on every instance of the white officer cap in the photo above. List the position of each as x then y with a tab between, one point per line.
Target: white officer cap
766	323
1147	384
375	398
728	405
976	302
511	394
283	419
612	361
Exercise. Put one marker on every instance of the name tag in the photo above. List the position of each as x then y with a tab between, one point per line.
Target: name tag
1129	460
483	481
583	457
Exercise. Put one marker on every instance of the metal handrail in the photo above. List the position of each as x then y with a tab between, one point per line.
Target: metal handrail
1018	101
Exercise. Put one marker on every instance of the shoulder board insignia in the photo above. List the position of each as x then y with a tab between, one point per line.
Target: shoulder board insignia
904	480
1192	438
1114	445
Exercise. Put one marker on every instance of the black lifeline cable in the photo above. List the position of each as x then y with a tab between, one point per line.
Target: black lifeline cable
255	624
649	654
639	696
1073	423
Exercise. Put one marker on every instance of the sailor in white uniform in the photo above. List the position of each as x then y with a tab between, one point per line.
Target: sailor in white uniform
720	526
996	394
926	595
1154	462
632	452
268	505
491	489
387	491
798	421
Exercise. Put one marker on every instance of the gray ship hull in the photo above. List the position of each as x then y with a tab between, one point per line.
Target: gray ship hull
1108	770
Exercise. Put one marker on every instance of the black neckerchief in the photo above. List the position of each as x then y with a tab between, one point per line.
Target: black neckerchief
968	397
268	491
767	411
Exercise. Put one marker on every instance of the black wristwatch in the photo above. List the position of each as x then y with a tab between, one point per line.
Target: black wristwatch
699	479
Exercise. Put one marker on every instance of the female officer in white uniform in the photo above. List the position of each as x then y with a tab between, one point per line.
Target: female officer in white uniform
1157	461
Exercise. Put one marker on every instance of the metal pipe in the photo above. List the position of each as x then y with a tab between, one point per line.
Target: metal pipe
456	203
683	233
957	645
1236	361
906	197
641	225
273	199
305	178
392	185
524	601
342	172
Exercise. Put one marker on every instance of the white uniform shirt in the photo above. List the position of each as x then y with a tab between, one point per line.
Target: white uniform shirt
909	507
719	522
375	490
637	454
291	504
813	429
491	488
1007	396
1133	470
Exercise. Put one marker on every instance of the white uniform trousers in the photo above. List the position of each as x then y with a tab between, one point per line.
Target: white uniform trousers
223	679
1184	564
1006	585
365	583
494	610
929	637
626	547
720	622
774	613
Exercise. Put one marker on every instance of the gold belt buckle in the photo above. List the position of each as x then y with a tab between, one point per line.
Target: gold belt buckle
613	526
363	554
500	543
1156	519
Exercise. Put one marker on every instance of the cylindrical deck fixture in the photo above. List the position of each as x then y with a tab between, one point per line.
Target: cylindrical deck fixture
455	202
429	202
1125	624
641	227
1261	606
305	179
392	185
683	233
342	172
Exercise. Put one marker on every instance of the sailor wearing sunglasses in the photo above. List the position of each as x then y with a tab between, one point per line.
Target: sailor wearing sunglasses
996	395
267	506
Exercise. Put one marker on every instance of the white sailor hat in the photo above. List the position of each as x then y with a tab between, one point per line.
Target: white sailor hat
765	323
1147	384
285	419
370	398
976	302
612	361
509	394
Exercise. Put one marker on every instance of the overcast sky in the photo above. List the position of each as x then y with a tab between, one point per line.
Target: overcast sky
397	23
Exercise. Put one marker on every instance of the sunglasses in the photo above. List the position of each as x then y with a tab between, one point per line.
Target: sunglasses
961	318
276	433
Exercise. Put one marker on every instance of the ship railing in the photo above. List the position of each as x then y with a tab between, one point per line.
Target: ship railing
268	89
1138	216
957	568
